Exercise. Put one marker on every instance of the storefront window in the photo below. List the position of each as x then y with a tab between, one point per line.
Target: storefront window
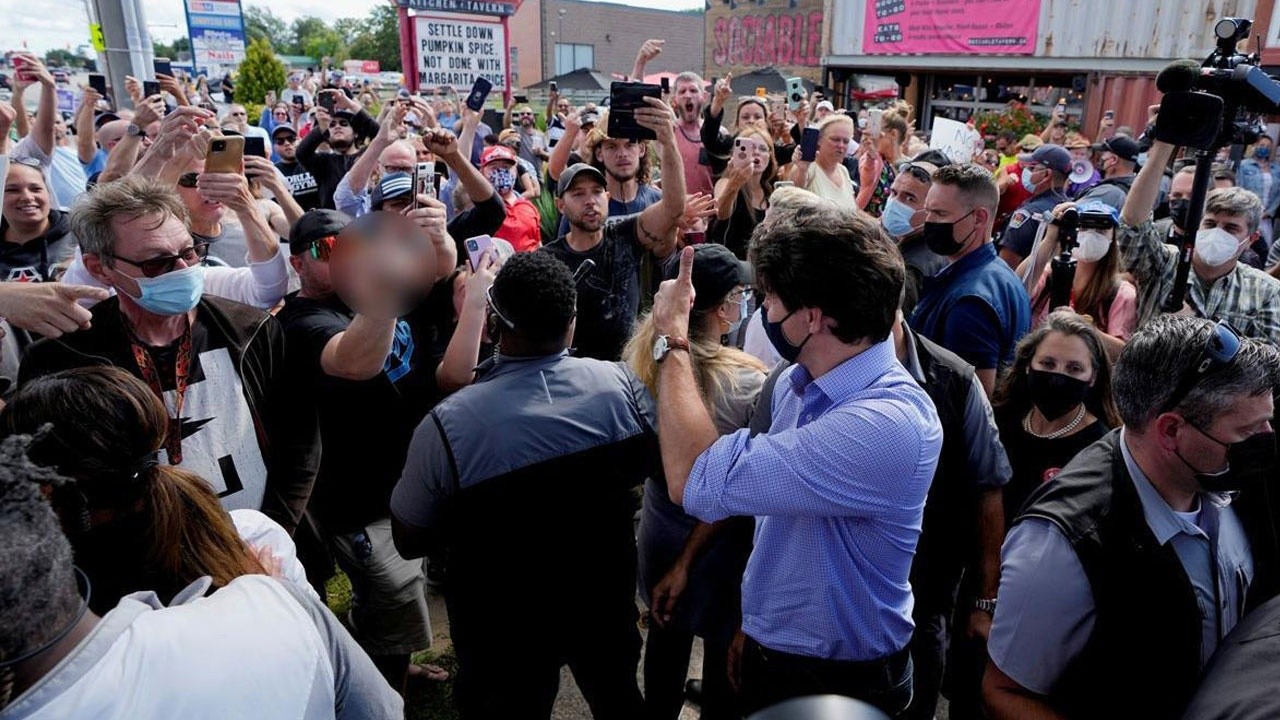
959	97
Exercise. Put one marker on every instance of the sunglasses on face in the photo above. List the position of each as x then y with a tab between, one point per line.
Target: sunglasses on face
341	123
188	180
287	140
321	248
157	266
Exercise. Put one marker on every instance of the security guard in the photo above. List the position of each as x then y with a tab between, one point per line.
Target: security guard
1044	175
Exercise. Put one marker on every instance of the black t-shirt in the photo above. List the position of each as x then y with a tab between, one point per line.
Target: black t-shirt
609	295
365	426
302	184
1035	460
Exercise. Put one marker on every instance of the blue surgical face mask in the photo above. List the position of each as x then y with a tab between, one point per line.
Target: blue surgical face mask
503	180
896	218
1262	153
773	330
1027	183
172	293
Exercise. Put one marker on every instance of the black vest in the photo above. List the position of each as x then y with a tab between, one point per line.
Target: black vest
948	532
1143	657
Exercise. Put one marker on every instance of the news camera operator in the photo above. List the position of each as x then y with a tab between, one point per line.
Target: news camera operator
1218	287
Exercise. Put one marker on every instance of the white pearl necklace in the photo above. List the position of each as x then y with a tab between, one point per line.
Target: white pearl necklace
1026	425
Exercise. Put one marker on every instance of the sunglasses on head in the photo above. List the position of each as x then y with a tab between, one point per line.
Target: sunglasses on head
157	266
1220	348
321	248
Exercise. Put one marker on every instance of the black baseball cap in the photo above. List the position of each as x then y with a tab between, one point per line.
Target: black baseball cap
1124	147
575	171
716	272
313	225
283	129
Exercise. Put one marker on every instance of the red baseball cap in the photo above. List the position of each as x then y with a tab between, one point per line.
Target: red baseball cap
496	153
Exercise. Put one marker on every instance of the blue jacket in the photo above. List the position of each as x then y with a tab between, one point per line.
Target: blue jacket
1250	178
981	275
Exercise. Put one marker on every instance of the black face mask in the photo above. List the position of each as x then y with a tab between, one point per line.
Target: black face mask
1178	209
940	237
1054	394
1249	462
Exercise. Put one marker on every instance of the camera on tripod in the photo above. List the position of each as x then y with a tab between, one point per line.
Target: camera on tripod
1220	101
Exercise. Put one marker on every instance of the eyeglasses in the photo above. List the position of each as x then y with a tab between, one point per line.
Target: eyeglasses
320	248
286	140
188	180
1221	347
488	296
745	293
407	169
157	266
238	114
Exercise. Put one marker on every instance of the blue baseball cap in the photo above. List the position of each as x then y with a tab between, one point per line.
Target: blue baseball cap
1054	157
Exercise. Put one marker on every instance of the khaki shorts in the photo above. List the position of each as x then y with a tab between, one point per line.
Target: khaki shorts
388	593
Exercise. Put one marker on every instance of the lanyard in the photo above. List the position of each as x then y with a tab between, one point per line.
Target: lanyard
182	374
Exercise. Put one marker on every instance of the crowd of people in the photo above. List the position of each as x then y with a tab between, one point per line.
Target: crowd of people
840	416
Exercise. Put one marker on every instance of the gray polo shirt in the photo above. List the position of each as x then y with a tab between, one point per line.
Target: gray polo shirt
1046	610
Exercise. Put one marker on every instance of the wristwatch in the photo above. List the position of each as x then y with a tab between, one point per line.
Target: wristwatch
665	344
134	131
986	605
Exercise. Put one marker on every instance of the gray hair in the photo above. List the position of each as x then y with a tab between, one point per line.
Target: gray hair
37	583
1236	201
128	198
689	76
1164	351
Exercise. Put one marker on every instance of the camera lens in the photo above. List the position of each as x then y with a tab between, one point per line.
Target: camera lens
219	145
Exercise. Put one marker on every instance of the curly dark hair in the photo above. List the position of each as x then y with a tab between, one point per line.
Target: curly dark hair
535	292
811	253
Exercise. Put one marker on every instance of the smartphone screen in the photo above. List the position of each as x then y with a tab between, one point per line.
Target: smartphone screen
624	99
874	118
255	146
666	86
476	248
150	87
326	101
424	180
479	93
809	144
98	83
163	66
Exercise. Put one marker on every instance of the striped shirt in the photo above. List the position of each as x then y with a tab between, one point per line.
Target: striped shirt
1246	297
837	486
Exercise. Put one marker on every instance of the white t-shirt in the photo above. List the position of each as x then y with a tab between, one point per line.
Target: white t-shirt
252	649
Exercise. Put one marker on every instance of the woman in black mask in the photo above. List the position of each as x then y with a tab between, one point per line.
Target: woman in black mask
1052	403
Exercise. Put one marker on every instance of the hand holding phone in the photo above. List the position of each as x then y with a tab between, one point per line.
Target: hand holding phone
226	155
624	99
98	83
875	122
162	66
476	248
326	100
150	88
553	87
809	144
479	93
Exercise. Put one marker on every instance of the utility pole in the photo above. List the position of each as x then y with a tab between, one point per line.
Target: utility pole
128	44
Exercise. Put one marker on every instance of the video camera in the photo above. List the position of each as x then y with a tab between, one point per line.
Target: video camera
1220	101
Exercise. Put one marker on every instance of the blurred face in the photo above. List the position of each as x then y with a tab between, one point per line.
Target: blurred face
1066	355
910	191
688	101
563	107
313	273
26	199
1180	186
341	136
750	113
286	146
280	114
237	114
822	112
834	142
621	158
203	212
586	204
1079	153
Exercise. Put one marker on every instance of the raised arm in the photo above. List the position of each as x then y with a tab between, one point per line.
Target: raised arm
560	153
736	175
457	369
271	179
657	220
232	190
445	146
651	49
42	132
470	125
389	131
178	143
86	146
123	157
1146	187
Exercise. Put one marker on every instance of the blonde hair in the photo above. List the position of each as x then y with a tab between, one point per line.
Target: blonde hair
715	366
128	198
834	119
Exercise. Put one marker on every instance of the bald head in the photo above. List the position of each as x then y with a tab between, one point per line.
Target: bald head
399	156
111	133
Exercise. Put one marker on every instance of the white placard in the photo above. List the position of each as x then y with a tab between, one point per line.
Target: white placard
954	139
456	52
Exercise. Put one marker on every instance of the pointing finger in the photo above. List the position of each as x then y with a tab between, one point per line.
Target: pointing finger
685	277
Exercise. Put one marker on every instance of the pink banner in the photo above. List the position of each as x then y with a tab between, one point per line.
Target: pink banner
951	27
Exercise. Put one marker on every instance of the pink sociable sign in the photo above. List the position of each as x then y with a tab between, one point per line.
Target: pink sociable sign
951	27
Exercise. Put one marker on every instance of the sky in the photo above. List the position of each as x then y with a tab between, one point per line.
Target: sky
42	30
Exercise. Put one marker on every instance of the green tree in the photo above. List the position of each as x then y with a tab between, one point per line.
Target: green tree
261	23
260	73
379	39
348	29
179	48
59	58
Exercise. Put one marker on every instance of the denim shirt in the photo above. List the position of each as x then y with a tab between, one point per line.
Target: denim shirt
1250	178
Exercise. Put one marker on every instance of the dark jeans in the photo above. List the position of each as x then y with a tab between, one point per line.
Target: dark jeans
666	666
770	676
928	655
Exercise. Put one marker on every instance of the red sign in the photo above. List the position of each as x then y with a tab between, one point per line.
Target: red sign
951	27
777	38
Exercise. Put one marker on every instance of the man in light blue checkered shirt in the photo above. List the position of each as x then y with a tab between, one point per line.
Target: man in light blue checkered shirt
838	484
